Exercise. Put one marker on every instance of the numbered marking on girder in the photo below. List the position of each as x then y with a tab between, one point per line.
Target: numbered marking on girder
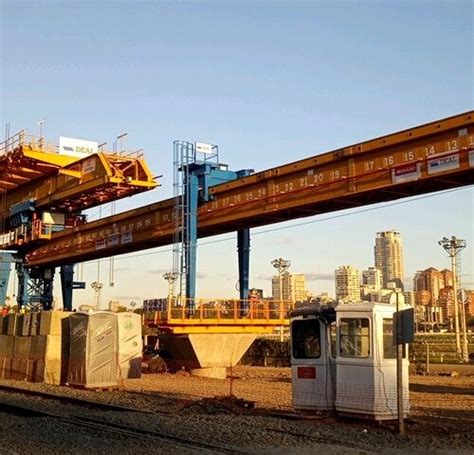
452	145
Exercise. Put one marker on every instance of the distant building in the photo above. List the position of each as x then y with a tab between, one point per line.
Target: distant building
409	298
388	257
290	287
446	301
434	281
347	284
371	284
372	277
470	303
422	298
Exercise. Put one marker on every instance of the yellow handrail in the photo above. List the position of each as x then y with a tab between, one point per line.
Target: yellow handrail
223	311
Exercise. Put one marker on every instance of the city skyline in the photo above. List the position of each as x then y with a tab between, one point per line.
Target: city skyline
295	91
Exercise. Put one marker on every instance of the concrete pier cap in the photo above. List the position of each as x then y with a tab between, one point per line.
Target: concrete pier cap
205	354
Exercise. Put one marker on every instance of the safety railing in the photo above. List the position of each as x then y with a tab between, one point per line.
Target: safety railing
15	237
221	312
40	143
28	141
12	142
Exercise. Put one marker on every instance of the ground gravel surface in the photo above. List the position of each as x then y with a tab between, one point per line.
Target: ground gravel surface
442	418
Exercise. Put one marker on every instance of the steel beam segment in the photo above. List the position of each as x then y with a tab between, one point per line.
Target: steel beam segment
438	157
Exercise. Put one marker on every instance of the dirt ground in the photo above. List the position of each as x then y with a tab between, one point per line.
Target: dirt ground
438	403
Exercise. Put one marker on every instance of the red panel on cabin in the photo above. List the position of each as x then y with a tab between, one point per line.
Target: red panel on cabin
306	373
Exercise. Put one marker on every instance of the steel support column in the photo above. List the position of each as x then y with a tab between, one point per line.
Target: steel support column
68	285
243	248
190	243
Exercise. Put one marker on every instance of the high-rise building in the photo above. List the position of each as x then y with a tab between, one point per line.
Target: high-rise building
389	257
347	284
290	287
432	280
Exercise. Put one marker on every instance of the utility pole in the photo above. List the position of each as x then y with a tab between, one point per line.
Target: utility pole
400	397
453	247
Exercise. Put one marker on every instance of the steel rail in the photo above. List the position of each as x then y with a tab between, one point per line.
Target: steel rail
70	399
110	427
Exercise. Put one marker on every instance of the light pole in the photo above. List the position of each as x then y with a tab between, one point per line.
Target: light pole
171	278
120	138
40	125
282	266
97	287
453	247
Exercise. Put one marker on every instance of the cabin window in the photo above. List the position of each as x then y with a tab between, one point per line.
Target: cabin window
305	339
354	337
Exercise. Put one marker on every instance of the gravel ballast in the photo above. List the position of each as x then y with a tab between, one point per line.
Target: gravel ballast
441	421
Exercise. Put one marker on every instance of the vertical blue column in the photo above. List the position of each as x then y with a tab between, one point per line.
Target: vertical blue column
46	280
243	248
191	239
67	285
5	269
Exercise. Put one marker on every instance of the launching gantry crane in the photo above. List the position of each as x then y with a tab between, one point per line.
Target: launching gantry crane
44	189
45	193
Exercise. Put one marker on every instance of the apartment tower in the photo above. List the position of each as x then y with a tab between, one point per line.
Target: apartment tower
347	284
389	257
290	287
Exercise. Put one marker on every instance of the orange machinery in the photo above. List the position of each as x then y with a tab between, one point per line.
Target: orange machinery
44	190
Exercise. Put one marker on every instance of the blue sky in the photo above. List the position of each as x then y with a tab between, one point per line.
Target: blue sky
270	83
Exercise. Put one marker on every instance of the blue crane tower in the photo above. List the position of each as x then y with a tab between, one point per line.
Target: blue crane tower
196	169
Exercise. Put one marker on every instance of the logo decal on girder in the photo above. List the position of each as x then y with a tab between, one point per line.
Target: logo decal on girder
443	164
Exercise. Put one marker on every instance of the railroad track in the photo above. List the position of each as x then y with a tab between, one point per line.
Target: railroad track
102	425
71	400
116	428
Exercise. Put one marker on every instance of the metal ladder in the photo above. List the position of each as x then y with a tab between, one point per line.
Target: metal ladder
184	155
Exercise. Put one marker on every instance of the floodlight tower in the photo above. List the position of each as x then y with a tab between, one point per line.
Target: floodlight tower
453	247
282	266
171	278
97	286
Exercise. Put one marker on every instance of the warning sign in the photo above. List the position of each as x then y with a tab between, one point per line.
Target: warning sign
406	173
88	165
446	163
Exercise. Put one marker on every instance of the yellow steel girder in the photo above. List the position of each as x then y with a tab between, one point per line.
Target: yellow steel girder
424	159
